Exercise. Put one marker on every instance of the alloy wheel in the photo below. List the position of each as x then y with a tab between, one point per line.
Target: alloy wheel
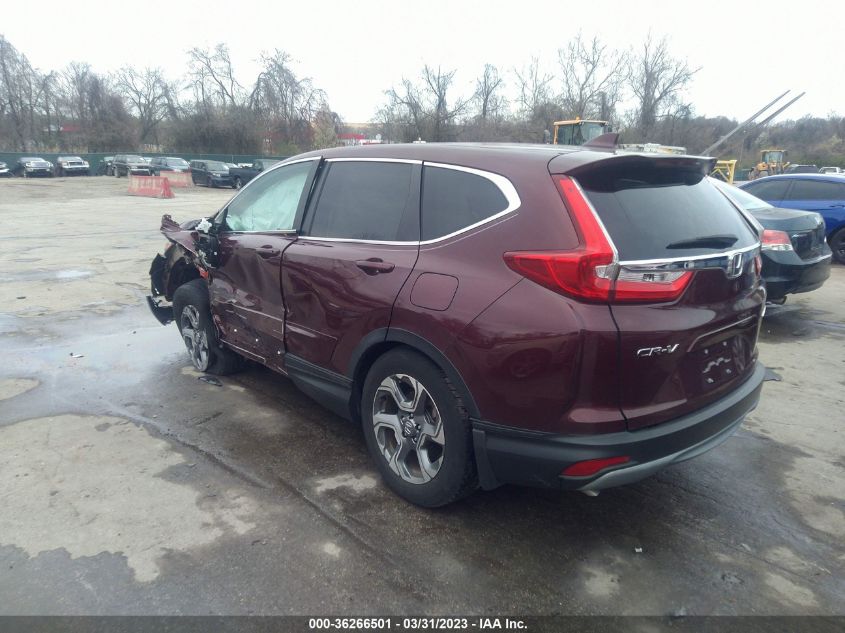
408	428
195	337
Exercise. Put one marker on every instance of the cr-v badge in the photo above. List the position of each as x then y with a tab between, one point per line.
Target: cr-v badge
656	351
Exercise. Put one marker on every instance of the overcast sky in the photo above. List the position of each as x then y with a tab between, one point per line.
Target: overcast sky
356	50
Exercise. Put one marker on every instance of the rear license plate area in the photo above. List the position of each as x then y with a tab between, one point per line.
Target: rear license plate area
718	362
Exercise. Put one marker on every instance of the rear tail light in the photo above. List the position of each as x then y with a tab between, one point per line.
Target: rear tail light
776	241
591	272
592	466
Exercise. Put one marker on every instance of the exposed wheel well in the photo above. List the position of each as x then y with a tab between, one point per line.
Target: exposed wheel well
180	273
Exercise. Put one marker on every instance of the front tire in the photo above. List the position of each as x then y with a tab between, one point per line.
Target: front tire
192	314
417	430
837	245
238	183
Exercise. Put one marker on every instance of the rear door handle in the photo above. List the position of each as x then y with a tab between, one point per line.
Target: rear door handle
374	266
268	252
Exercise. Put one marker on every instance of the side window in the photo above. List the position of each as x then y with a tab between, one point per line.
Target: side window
368	200
453	200
816	190
270	202
771	190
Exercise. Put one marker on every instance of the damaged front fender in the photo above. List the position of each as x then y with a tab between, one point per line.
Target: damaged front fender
183	261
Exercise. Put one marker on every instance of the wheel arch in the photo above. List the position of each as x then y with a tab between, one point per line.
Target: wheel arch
381	341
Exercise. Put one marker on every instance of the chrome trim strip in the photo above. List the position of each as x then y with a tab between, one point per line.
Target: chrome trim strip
355	240
688	258
723	328
369	159
503	184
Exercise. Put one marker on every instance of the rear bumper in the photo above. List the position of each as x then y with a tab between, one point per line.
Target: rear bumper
786	273
509	455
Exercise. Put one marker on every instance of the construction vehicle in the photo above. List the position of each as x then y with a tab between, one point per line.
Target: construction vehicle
578	131
772	161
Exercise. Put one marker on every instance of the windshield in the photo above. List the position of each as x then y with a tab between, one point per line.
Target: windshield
134	159
177	162
213	165
69	158
742	198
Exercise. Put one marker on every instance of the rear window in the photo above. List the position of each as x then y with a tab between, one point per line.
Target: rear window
661	212
768	189
816	190
453	200
367	200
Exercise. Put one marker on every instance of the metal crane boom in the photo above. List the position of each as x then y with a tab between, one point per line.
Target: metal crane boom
748	121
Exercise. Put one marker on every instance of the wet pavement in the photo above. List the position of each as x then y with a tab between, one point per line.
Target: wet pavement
128	486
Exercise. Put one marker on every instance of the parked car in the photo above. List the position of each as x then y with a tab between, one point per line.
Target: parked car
822	193
242	175
801	169
130	164
534	315
211	173
168	163
5	172
104	168
30	166
831	170
71	166
795	255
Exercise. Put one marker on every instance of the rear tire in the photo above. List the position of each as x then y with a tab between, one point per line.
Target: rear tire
192	314
427	459
238	183
837	245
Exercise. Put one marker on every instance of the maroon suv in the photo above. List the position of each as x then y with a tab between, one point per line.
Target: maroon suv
548	316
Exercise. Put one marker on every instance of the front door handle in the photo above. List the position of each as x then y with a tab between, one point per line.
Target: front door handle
268	252
374	266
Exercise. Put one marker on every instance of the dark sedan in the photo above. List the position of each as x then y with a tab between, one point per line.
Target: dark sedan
795	255
822	193
29	166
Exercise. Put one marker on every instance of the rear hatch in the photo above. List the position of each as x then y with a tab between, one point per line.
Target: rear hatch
671	228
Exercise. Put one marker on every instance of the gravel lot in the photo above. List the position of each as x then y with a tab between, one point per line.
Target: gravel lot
127	486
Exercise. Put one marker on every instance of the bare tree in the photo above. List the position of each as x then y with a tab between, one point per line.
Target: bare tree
534	88
150	96
423	110
288	104
592	78
488	100
442	115
657	80
213	77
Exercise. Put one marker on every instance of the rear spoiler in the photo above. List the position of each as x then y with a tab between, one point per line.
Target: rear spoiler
569	163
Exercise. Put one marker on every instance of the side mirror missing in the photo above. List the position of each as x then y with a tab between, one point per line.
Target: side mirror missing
203	226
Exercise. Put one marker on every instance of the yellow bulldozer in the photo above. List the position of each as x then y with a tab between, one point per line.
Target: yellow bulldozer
772	161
